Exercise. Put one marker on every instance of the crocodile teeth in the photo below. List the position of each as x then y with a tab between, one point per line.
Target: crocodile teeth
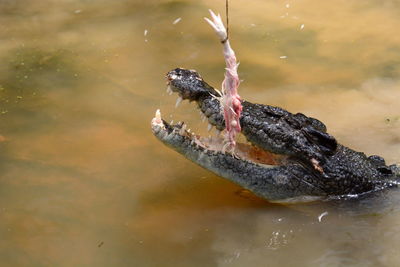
202	116
178	101
157	118
209	127
169	90
182	130
158	114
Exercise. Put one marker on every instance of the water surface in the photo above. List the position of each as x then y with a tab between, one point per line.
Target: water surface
84	183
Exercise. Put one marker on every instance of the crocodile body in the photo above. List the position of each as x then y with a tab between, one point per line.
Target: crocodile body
291	156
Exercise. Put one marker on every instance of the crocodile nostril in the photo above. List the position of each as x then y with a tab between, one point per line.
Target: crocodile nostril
172	75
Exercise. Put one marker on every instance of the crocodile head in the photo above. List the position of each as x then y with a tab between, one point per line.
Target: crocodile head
288	157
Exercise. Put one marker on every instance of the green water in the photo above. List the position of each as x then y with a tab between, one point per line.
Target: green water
84	183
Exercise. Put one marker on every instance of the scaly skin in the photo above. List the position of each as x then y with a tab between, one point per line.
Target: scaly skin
313	164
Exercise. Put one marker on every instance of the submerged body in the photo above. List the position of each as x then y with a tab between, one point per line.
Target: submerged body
291	156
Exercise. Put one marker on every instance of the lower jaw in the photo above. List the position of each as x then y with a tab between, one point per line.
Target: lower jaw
244	151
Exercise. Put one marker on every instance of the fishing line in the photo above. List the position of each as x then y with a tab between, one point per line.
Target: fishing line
227	18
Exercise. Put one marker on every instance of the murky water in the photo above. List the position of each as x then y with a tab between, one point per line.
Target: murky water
84	183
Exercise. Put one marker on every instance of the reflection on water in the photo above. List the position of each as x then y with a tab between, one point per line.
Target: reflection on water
84	183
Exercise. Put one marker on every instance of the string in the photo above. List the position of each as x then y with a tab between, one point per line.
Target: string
227	18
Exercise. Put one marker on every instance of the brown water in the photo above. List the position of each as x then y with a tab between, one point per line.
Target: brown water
84	183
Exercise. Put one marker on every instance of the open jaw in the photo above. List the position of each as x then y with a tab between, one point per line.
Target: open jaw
253	168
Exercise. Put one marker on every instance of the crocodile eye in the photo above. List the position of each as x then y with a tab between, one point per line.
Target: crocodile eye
385	170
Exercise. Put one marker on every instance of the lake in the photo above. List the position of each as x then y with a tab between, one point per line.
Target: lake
83	182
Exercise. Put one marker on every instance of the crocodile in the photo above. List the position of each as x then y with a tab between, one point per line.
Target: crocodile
287	157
